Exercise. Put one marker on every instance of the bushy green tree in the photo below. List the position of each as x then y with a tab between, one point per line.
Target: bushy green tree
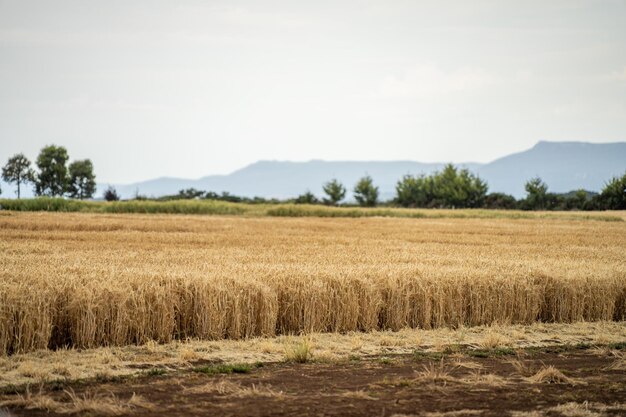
225	196
18	171
415	191
450	188
613	195
575	200
82	181
306	198
110	194
500	201
458	189
365	193
190	194
537	197
52	179
335	192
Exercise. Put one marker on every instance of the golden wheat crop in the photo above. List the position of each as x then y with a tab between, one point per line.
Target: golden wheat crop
86	280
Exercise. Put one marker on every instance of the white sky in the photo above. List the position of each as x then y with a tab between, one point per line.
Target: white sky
192	88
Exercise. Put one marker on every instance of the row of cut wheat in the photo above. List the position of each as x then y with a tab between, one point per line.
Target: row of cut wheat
88	280
135	312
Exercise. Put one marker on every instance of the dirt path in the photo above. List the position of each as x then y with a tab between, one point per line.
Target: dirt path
485	384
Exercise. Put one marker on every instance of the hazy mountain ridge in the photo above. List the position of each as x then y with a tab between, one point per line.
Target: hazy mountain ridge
564	166
285	179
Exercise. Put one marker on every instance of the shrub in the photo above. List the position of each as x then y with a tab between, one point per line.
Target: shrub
365	193
500	201
335	192
306	198
450	188
110	194
613	196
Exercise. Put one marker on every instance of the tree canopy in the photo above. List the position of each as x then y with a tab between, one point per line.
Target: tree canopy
82	181
335	192
306	198
537	194
110	194
18	171
613	195
365	193
449	188
53	178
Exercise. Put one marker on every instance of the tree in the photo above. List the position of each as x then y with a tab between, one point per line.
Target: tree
52	179
365	193
448	188
190	194
613	195
82	181
537	197
458	189
306	198
335	192
414	191
111	194
575	200
226	196
18	171
500	201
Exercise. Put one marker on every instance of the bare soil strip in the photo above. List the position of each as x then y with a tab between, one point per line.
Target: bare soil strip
550	381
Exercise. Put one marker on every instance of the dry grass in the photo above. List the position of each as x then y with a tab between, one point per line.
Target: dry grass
435	373
187	354
358	395
128	360
492	380
88	280
455	413
300	352
572	409
494	340
458	363
234	389
92	403
619	364
521	367
551	375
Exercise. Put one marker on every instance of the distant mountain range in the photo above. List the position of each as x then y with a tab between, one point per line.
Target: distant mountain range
564	166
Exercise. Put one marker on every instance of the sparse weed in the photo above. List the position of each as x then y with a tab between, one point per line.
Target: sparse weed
434	373
617	346
299	352
156	372
551	375
486	353
224	369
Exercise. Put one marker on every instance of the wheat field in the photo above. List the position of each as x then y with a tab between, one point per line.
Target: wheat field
86	280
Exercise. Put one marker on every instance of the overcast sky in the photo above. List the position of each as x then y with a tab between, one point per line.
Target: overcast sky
192	88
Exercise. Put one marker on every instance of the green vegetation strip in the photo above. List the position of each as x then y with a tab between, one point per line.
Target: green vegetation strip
214	207
136	206
241	368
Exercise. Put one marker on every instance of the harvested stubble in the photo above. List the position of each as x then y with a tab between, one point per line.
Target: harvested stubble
86	280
